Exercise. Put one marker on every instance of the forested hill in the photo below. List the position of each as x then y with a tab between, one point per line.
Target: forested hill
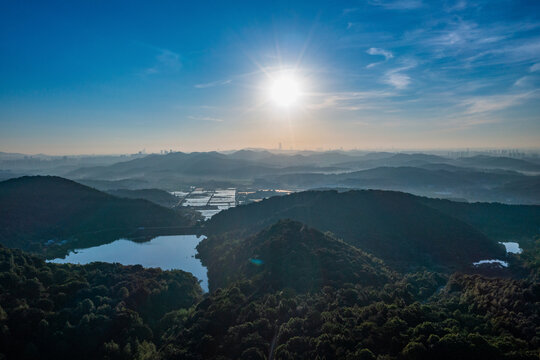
498	221
393	226
289	255
95	311
157	196
37	209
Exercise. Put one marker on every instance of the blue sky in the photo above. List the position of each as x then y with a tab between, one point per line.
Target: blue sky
121	76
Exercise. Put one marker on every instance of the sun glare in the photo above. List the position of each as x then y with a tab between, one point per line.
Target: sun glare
285	90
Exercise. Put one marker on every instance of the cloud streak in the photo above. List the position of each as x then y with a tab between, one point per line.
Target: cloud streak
492	103
205	118
398	4
397	80
382	52
213	84
348	100
377	51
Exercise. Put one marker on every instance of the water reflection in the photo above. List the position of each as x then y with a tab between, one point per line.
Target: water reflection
165	252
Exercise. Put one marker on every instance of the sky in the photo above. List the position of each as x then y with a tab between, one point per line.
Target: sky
100	77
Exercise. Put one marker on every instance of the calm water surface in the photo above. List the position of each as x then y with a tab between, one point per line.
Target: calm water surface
165	252
512	247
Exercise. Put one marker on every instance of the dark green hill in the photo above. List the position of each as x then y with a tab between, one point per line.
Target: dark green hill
37	209
395	227
500	222
289	255
157	196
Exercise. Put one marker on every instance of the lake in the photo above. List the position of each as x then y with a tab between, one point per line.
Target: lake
165	252
511	248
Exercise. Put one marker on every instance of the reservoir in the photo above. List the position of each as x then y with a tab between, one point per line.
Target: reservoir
512	247
175	252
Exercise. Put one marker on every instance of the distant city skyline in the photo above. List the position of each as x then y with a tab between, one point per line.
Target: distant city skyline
116	77
460	152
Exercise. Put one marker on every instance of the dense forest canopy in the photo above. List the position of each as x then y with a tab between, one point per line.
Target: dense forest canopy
99	310
118	312
319	274
396	227
289	254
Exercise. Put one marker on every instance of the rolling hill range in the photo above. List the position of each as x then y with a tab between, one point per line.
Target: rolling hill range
289	254
501	162
198	165
248	163
396	227
473	178
477	178
41	208
428	180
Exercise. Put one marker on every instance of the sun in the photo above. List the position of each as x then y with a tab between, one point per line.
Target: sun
285	90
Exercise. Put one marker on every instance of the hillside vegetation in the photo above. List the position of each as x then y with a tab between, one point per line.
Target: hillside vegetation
37	209
289	254
52	311
336	302
396	227
157	196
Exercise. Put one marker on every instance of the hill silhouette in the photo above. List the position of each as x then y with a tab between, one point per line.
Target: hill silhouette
500	222
190	164
41	208
393	226
157	196
289	254
499	162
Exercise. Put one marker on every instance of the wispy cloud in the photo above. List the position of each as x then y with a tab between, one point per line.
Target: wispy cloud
382	52
470	44
525	81
213	84
397	78
522	81
514	52
398	4
464	122
491	103
347	100
166	61
205	118
377	51
234	78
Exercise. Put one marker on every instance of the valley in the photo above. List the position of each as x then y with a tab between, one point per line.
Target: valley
234	270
